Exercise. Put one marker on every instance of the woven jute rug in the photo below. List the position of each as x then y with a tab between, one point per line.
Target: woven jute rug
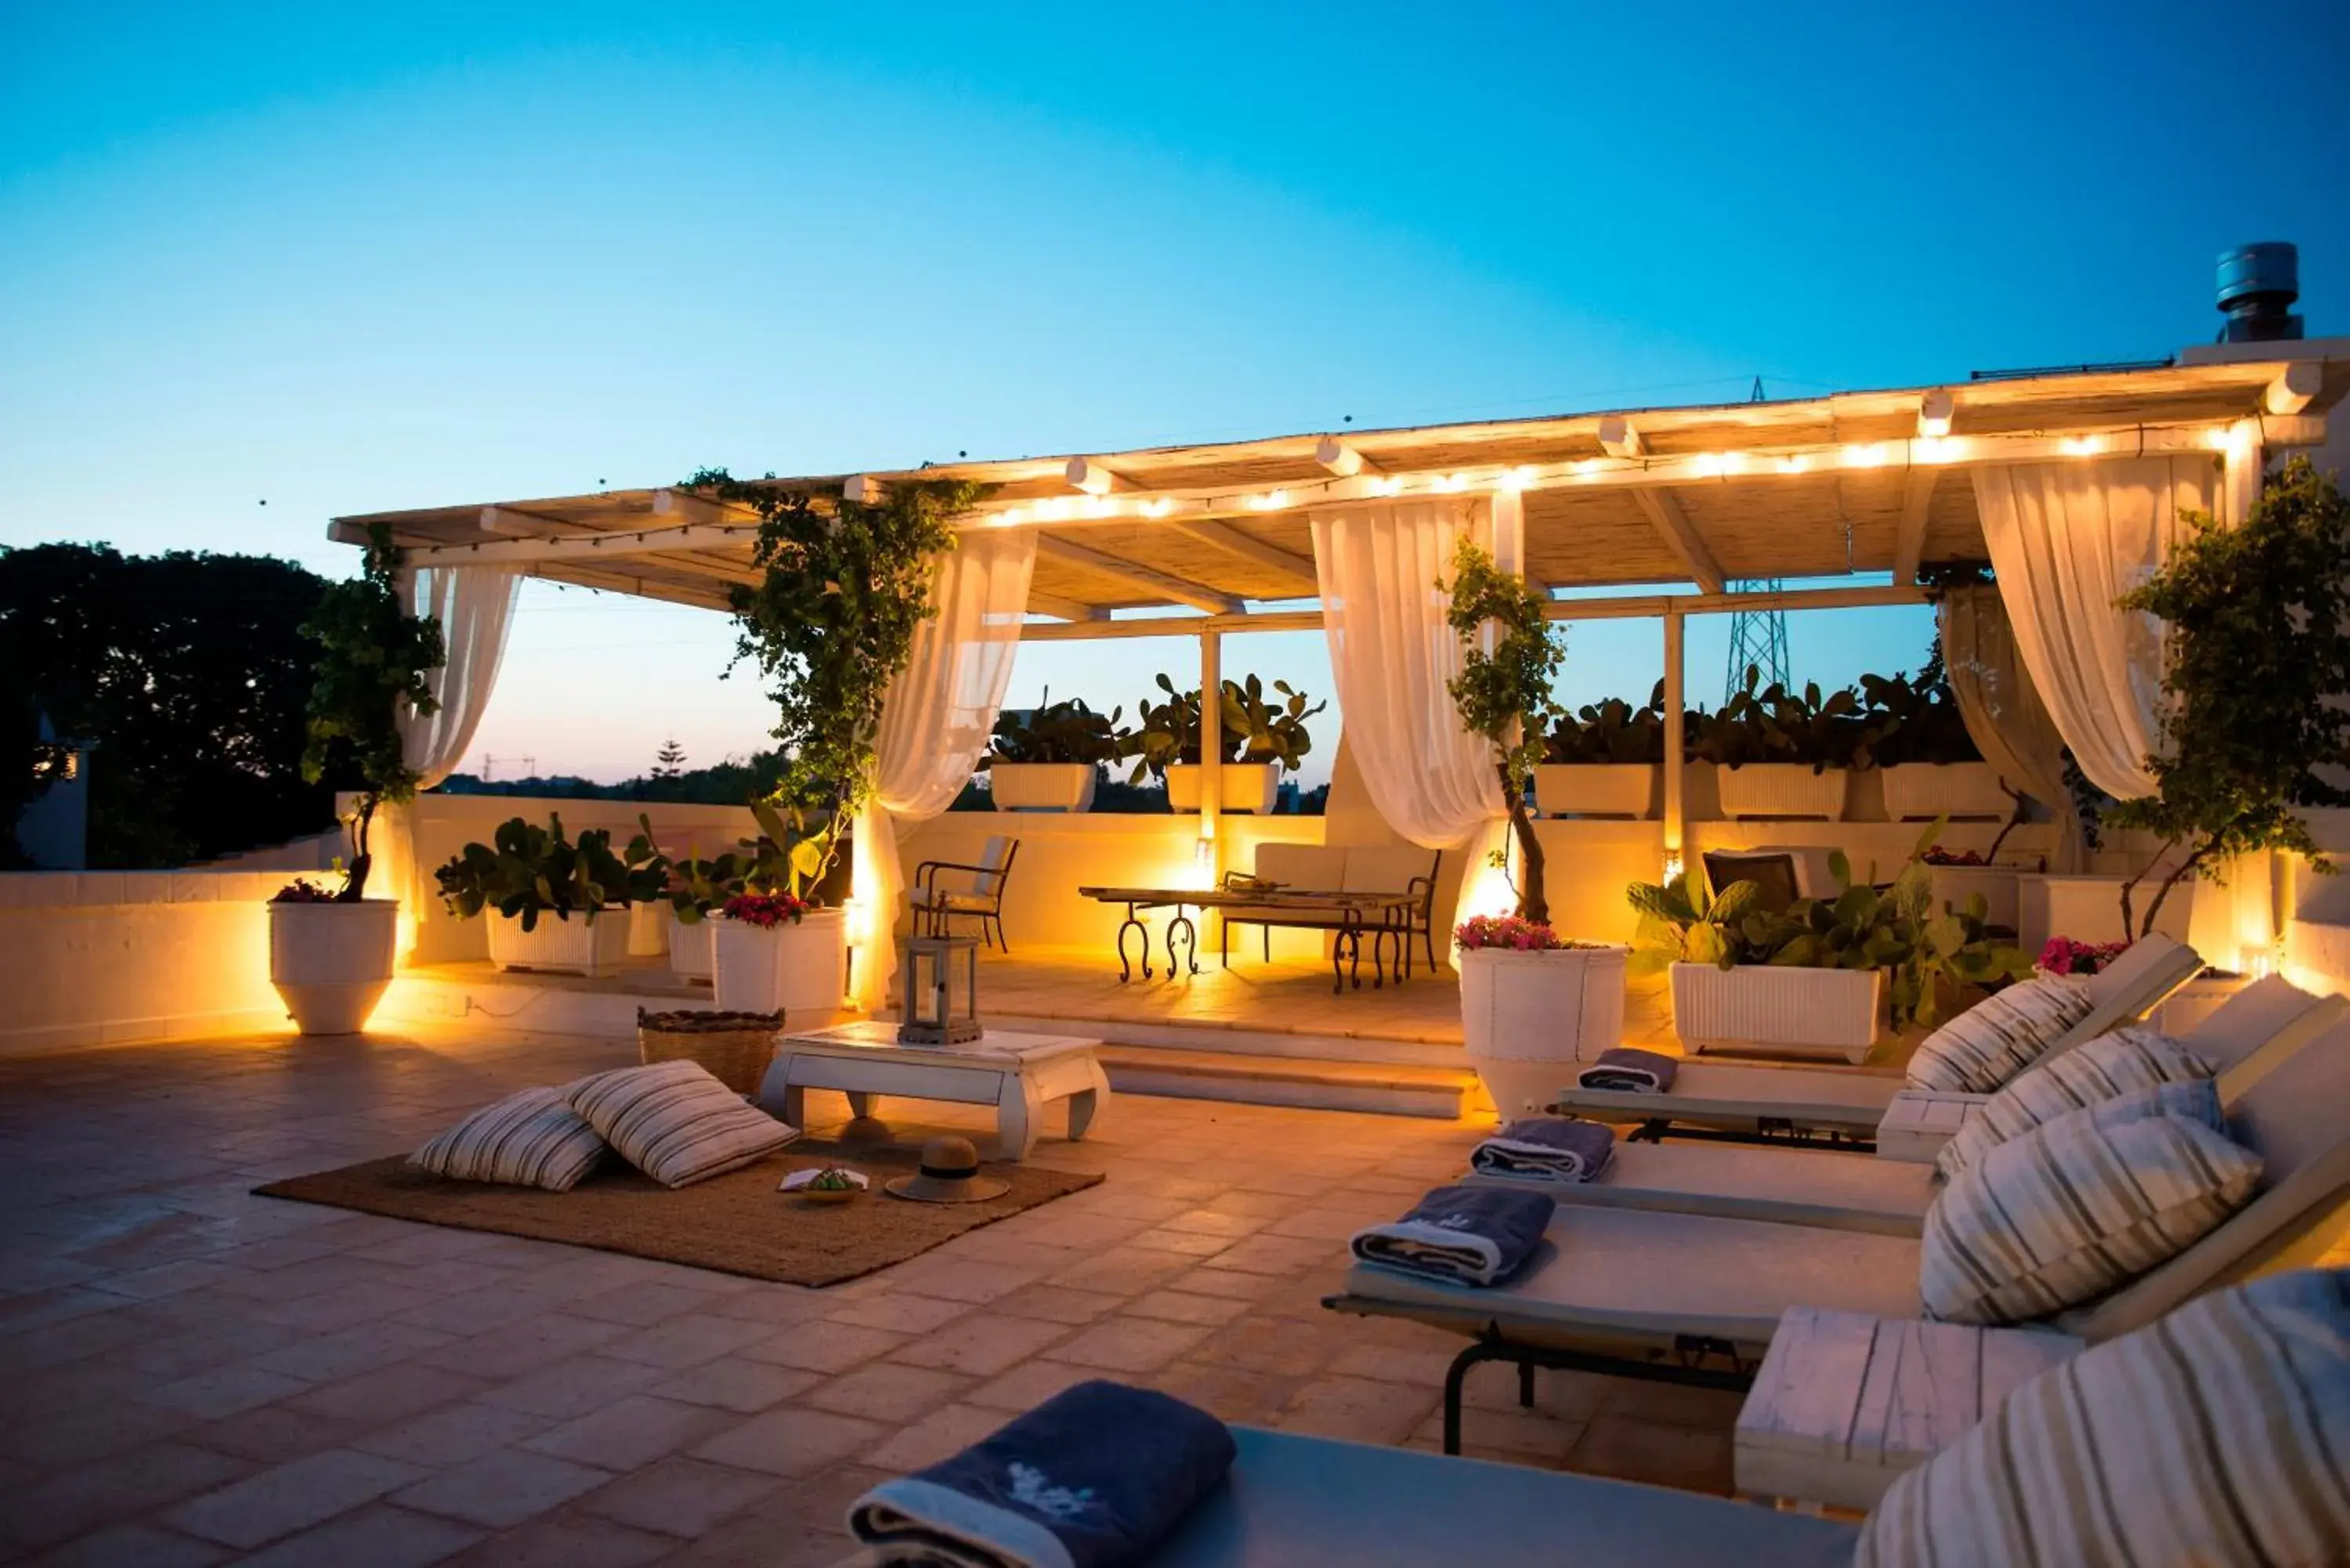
736	1223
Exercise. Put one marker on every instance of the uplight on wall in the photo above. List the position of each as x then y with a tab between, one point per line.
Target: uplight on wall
1673	867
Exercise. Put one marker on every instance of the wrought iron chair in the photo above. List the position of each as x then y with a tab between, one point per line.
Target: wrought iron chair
942	889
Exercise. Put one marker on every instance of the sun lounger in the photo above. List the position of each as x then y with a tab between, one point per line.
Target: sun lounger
1695	1298
2246	1037
1764	1102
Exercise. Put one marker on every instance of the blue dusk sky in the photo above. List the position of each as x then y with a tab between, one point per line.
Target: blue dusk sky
337	259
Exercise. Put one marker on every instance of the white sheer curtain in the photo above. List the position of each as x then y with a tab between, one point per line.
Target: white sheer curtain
2003	713
475	605
1391	655
2066	540
940	715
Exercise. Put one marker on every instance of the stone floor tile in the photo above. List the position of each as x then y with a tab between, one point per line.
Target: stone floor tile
820	1346
500	1490
1058	1303
981	1345
746	1387
90	1432
1128	1345
568	1540
1183	1306
680	1497
684	1341
290	1497
1357	1409
1027	1386
963	1279
792	1441
523	1347
899	1313
886	1391
574	1387
629	1433
1662	1453
1228	1393
224	1391
388	1394
454	1435
132	1546
1122	1271
1215	1222
374	1536
274	1433
643	1305
1230	1284
333	1356
940	1434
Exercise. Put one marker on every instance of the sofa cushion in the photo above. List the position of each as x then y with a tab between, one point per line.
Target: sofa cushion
1308	867
676	1122
1980	1049
2136	1057
2075	1208
533	1138
2215	1435
1385	869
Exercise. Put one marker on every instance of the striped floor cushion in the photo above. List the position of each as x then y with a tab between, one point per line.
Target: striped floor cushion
2138	1057
2217	1435
2075	1208
531	1139
1980	1049
675	1122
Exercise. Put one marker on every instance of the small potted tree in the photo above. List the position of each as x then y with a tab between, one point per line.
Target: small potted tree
1603	759
1529	1000
1049	758
554	903
1260	740
331	952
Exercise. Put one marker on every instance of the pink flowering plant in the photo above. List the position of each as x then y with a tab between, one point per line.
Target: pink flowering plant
1509	932
766	910
2062	955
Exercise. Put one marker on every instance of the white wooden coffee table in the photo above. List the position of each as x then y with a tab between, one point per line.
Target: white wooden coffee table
1019	1075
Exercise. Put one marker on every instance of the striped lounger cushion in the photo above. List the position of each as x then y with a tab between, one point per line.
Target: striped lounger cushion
531	1139
675	1122
1998	1037
2138	1057
2077	1207
2215	1435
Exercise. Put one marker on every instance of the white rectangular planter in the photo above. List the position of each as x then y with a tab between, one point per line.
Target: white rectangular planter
577	945
802	969
1921	792
1781	789
1999	885
1784	1011
1595	789
1241	787
689	947
1042	786
648	929
1527	1017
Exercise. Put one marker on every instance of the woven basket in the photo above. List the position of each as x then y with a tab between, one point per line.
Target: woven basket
734	1046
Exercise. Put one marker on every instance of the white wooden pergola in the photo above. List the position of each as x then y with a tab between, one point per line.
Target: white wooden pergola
1685	503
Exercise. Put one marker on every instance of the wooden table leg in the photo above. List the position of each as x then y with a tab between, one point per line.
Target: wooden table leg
1086	1104
1019	1117
795	1106
861	1104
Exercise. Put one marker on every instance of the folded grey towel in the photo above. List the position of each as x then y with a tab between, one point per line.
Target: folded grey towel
1547	1148
1461	1235
1096	1477
1623	1070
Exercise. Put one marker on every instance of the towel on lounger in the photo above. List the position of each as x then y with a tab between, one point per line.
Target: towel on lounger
1623	1071
1461	1235
1096	1477
1547	1148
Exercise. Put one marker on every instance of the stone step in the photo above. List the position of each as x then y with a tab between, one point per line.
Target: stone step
1388	1088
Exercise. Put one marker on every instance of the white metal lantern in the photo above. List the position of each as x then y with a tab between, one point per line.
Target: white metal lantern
940	985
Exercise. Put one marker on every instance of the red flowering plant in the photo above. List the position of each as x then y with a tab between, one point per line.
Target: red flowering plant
766	910
1937	856
1506	931
2062	955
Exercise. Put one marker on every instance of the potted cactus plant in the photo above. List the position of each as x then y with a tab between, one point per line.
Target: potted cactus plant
1259	739
543	892
1603	759
1049	758
1781	753
1930	764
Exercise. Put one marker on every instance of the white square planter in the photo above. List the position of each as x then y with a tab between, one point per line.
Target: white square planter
1999	885
802	969
331	963
1921	792
1042	786
1781	789
1595	789
1526	1017
648	929
1241	787
1784	1011
576	945
690	947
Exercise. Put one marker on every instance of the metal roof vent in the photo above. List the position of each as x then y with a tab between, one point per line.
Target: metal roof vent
2258	285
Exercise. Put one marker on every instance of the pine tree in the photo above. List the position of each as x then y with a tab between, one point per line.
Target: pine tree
669	761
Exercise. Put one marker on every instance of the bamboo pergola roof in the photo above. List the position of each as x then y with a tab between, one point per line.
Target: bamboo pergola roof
1857	482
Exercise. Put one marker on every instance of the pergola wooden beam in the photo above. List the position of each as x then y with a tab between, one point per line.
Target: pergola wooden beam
1909	534
1160	586
1336	458
2294	388
1672	523
1067	609
1086	474
1295	570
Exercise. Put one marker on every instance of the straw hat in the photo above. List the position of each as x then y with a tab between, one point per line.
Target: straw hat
949	1174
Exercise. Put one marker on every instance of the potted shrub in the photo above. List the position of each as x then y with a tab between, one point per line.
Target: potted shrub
1530	1001
1260	740
772	946
1049	758
1820	977
544	894
331	953
1930	766
1603	761
1781	753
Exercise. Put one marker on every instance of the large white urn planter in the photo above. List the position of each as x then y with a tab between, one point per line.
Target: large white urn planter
1042	786
1781	789
1527	1017
1595	789
690	947
1921	792
573	944
1783	1010
332	962
1240	786
801	969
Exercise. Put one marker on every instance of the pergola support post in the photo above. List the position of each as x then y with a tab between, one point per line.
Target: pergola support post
1675	676
1210	852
